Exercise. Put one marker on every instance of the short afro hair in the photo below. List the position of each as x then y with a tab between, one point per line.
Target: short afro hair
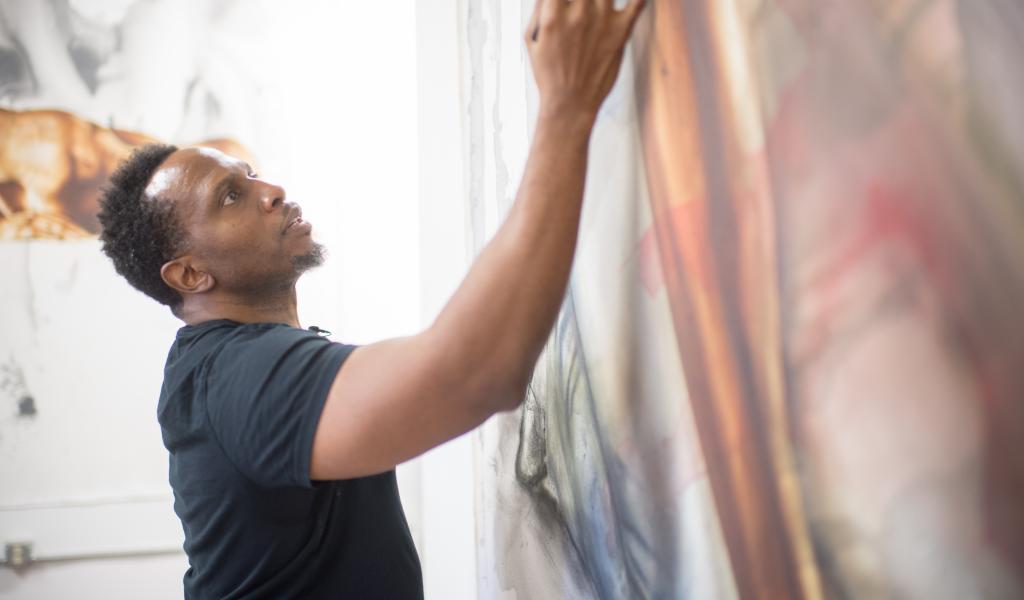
140	234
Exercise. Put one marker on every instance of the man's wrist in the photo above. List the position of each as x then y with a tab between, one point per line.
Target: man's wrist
566	119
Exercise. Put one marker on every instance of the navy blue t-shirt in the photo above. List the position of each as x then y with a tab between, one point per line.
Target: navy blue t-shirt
238	409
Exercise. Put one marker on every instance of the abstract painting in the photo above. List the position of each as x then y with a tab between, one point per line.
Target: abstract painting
787	365
597	487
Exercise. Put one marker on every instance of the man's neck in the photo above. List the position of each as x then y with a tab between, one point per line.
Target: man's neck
279	308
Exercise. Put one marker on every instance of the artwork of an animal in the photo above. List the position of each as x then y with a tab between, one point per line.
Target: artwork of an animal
52	167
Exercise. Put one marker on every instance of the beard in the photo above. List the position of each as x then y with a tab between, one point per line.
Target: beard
310	260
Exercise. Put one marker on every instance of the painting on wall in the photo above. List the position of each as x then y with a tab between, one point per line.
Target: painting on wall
81	85
597	488
53	165
895	177
786	362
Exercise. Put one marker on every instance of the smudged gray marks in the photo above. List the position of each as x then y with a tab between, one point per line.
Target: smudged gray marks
575	479
14	389
15	76
87	61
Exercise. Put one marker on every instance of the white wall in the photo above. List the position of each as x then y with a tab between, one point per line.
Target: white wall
87	474
447	545
131	577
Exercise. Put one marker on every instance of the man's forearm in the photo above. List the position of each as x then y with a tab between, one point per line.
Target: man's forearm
395	399
499	318
490	334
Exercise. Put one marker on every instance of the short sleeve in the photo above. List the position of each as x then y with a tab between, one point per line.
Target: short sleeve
265	391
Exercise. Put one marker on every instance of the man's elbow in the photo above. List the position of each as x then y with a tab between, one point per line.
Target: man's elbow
512	391
500	392
493	381
513	396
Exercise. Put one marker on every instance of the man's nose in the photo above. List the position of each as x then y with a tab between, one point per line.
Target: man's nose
272	197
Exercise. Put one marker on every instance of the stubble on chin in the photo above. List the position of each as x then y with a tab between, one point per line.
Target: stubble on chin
310	260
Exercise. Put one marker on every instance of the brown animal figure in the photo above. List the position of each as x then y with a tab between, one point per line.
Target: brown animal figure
52	166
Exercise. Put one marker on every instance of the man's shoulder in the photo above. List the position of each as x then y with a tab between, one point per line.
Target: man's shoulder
221	329
211	338
228	359
231	357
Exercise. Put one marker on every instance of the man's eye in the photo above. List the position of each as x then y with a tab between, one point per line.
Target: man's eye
254	175
231	198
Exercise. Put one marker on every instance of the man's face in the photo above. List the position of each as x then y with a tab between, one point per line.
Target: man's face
240	229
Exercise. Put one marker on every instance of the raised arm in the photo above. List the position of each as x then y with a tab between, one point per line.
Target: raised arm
394	400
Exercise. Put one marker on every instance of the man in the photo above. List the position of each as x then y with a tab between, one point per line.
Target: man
281	459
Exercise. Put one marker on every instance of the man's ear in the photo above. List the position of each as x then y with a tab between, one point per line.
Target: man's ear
182	276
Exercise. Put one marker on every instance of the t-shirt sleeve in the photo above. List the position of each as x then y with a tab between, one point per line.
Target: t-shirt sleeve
265	390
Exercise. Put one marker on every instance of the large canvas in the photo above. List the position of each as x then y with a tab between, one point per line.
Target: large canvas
786	366
597	487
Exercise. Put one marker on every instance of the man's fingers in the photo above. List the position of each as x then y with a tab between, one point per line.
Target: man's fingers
553	8
544	11
579	5
631	13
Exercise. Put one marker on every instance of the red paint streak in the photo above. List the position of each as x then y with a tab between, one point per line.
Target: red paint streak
887	220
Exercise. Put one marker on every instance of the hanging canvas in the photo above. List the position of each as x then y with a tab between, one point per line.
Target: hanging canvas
786	362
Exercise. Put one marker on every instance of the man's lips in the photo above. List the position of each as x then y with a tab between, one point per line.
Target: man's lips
292	218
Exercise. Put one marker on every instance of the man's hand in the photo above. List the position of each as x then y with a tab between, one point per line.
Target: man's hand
395	399
576	49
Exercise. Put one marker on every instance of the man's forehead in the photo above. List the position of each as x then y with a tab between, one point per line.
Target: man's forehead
189	166
161	181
